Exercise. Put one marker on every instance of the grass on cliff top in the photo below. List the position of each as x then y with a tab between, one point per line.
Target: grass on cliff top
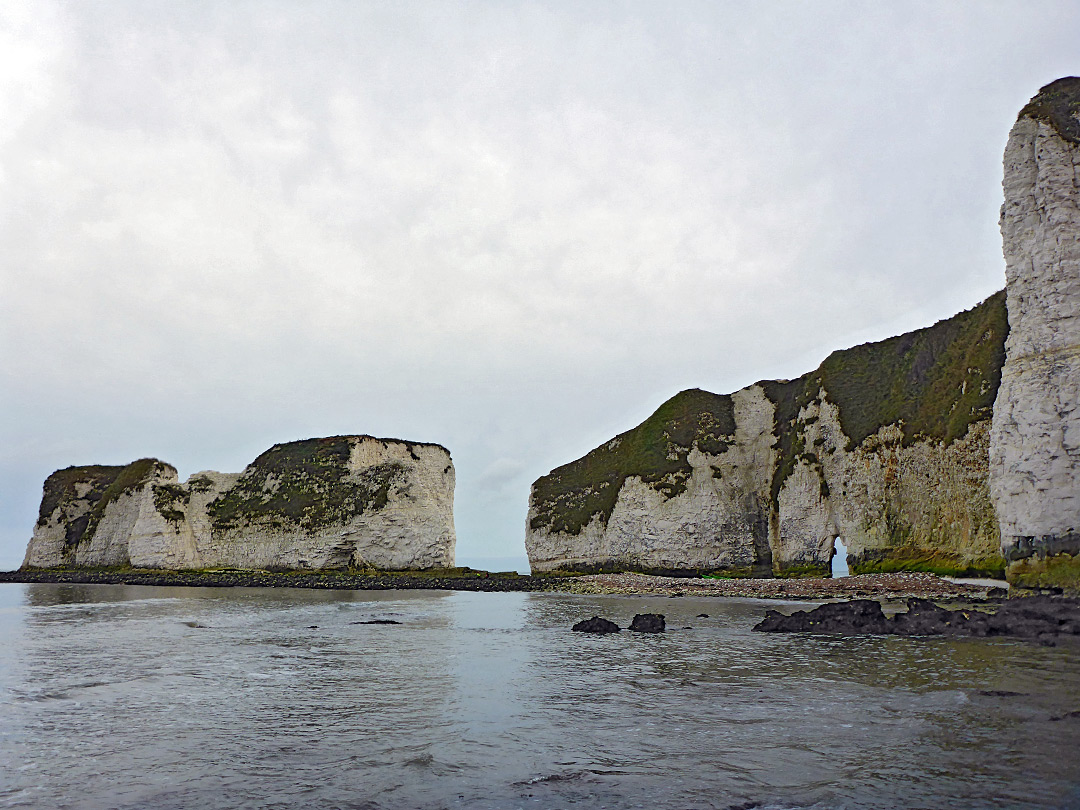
935	381
107	483
1058	104
656	450
306	484
131	477
60	487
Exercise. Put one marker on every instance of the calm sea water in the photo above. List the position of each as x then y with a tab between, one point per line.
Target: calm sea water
130	697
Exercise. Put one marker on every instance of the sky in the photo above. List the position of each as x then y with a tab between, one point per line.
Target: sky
512	228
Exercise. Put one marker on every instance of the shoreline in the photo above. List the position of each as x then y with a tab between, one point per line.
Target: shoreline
862	586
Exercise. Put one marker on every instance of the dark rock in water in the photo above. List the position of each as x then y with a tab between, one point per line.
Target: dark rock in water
1075	715
855	617
1000	693
377	621
648	623
1037	618
596	625
703	615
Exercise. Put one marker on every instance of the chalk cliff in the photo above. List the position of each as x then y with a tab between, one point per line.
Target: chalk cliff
345	501
884	445
1035	441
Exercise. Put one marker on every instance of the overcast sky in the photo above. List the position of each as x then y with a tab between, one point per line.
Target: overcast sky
511	228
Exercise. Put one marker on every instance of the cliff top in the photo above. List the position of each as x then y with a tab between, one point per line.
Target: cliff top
384	440
1058	104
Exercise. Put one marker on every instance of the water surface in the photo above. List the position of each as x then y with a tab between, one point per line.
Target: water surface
137	697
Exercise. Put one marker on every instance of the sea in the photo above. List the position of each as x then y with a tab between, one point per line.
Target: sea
149	697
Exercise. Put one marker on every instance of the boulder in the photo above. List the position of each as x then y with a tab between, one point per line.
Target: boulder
596	625
648	623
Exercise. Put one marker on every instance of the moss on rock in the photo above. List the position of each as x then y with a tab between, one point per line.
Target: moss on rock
933	382
1054	571
305	483
569	497
944	564
1058	104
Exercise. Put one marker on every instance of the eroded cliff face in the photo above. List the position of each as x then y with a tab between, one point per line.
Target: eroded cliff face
884	445
346	501
1035	444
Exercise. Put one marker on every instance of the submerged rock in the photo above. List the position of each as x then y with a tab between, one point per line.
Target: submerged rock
1043	619
596	625
648	623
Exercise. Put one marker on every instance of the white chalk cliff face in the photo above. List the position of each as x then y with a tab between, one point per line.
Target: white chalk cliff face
885	446
346	501
1035	443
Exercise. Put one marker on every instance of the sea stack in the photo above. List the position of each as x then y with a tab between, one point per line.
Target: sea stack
339	502
1035	440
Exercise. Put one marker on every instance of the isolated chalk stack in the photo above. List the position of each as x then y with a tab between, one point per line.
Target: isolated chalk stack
1035	440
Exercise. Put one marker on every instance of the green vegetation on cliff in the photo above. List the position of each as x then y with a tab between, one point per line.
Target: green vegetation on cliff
62	491
132	477
90	490
307	484
62	487
567	498
1058	103
934	382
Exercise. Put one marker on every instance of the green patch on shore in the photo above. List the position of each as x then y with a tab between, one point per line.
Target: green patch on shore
803	571
1050	572
897	560
307	484
569	497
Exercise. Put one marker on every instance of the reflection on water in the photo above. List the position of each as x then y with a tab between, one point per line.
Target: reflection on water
124	696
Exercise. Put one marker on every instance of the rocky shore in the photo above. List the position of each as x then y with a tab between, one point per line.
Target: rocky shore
453	579
874	586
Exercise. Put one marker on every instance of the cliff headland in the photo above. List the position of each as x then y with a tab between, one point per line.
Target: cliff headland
953	449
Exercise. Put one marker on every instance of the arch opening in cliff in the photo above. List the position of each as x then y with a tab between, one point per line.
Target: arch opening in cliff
839	559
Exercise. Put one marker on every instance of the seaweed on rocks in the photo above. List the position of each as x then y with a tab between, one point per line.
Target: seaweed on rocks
1046	620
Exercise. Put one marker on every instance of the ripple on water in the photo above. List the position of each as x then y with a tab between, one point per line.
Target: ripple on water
248	698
